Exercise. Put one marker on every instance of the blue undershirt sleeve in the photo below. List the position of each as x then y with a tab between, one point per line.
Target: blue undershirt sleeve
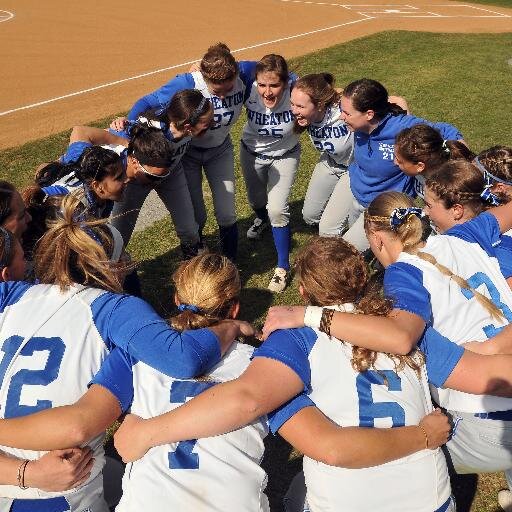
441	356
116	375
291	347
132	324
277	418
403	285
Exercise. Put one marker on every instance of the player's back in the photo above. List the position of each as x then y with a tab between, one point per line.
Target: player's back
380	397
50	350
214	474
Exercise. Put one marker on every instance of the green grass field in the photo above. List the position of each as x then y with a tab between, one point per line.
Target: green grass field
461	79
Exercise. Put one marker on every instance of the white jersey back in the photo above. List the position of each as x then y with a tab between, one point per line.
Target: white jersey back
375	398
456	314
332	136
39	370
269	131
226	111
220	473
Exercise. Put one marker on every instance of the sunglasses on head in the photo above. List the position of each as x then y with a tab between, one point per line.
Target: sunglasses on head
151	176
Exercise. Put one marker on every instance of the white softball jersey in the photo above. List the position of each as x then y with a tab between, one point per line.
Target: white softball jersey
332	136
52	343
216	474
269	131
417	286
50	349
379	397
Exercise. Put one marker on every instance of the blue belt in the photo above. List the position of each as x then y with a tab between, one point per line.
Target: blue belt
444	506
496	415
267	157
59	504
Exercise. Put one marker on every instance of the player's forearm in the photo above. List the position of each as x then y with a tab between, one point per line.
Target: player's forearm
482	375
357	447
60	427
218	410
94	135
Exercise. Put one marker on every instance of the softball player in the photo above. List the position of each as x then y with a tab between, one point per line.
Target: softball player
188	115
43	366
13	214
375	122
315	104
454	282
225	83
12	257
266	384
269	155
420	149
96	170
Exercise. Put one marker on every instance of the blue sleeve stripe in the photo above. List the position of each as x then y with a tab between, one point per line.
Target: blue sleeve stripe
277	418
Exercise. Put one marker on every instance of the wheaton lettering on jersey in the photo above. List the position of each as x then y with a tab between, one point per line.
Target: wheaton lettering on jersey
228	101
327	132
273	119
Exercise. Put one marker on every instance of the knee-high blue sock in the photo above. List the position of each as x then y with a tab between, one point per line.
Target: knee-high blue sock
282	241
229	240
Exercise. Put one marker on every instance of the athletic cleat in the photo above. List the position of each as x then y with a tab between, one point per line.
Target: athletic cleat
505	500
258	226
279	280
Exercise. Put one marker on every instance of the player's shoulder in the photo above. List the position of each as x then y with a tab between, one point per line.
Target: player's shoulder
11	292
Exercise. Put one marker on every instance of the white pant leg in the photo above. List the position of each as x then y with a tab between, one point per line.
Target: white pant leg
339	207
126	212
219	168
281	176
480	445
356	234
174	193
255	173
324	179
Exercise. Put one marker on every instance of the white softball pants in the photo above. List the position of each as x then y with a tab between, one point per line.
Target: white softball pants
269	183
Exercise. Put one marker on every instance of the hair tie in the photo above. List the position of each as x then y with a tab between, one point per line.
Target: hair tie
400	215
189	307
194	117
152	123
487	175
445	147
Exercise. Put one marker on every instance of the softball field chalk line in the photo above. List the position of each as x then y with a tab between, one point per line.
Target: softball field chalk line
161	70
6	16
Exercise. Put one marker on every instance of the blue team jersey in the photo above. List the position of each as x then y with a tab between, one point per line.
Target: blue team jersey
417	286
226	110
373	170
379	397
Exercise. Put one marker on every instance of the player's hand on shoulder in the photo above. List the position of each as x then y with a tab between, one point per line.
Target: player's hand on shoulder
283	317
400	101
60	470
119	124
437	428
129	439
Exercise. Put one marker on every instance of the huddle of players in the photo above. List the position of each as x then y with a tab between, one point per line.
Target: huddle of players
359	184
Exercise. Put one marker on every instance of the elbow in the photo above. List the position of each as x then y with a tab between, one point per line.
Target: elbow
404	343
341	458
77	435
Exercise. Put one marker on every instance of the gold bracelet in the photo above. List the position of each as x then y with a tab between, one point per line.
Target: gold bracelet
426	436
325	321
21	474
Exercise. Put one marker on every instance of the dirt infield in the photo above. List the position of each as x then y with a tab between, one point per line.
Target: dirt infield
65	64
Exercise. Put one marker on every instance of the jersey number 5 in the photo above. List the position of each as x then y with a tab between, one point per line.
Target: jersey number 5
182	457
368	409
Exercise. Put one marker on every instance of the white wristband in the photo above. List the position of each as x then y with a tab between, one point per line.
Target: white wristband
313	316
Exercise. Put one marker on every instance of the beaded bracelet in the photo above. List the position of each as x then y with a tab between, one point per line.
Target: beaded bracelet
21	474
426	436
